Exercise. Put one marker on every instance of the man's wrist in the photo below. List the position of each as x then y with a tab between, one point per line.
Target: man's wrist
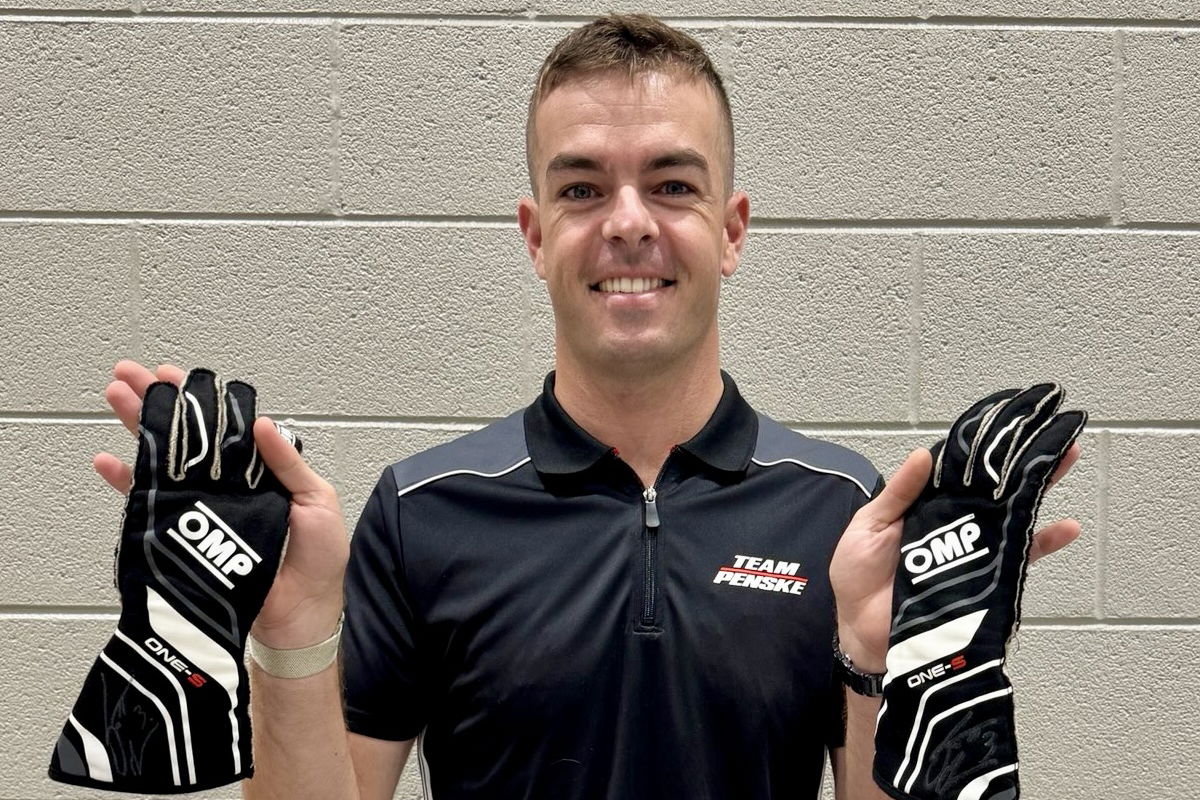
864	657
301	630
854	677
300	662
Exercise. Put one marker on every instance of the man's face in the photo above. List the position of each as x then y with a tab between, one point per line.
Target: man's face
632	231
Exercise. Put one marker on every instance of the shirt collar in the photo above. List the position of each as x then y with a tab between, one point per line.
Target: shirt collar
559	446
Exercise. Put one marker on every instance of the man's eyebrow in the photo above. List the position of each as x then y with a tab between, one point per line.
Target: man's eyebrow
684	157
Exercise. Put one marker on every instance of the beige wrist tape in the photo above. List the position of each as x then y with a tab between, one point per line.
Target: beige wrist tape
298	663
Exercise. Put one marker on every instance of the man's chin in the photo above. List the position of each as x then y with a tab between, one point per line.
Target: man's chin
634	356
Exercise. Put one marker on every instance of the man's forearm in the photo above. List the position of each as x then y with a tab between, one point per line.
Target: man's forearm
855	782
301	749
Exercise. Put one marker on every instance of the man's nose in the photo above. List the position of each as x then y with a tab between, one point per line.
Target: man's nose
629	219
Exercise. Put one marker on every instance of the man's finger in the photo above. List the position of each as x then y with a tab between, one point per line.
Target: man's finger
901	490
125	403
283	460
170	373
138	377
1069	459
1053	538
116	473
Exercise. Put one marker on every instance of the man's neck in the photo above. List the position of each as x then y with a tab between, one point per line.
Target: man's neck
643	416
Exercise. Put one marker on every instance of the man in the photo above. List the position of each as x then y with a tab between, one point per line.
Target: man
628	589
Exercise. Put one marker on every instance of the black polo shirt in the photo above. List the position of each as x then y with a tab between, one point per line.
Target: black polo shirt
550	628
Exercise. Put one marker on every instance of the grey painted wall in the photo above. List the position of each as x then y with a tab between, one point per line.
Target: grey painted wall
319	195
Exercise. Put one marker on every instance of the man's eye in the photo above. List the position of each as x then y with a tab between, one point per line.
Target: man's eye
580	191
577	192
676	187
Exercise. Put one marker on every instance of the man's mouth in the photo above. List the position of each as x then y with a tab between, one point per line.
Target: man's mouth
630	285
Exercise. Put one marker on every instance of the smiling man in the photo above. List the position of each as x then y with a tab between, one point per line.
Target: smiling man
632	226
627	589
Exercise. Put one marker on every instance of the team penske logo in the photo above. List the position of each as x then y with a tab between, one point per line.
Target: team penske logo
764	574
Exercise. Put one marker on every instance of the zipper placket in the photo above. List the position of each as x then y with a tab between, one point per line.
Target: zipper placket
650	522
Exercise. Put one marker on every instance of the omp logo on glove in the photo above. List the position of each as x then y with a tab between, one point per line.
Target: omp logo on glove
944	548
213	543
164	708
945	728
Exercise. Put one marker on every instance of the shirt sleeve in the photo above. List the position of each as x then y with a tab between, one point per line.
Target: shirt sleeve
381	672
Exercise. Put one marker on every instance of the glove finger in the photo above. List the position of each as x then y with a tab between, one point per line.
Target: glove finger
995	439
1034	463
195	426
950	469
1027	428
154	433
237	445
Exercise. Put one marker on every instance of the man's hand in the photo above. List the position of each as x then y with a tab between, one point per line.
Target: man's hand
305	600
864	565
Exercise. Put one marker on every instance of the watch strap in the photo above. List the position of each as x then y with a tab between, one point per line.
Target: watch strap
867	684
299	662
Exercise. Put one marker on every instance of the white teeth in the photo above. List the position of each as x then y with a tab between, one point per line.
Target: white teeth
631	285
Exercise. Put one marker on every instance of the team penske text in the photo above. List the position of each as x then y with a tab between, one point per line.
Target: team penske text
764	574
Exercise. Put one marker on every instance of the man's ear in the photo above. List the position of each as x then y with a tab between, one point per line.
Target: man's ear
737	220
531	229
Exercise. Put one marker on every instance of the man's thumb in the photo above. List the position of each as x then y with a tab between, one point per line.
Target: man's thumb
276	448
905	486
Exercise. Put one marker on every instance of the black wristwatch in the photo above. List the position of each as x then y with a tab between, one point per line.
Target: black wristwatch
868	684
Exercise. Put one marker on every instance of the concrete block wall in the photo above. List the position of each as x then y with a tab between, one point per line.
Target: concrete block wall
947	198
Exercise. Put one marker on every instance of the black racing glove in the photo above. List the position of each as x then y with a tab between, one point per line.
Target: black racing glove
945	729
164	708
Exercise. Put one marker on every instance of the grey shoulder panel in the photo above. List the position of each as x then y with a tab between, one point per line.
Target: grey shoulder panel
489	452
778	444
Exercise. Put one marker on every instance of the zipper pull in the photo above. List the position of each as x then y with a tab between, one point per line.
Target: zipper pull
651	509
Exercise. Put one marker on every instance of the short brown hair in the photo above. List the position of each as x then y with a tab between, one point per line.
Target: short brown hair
633	44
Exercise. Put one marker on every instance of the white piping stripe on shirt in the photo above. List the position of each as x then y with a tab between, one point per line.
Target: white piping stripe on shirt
421	483
850	478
